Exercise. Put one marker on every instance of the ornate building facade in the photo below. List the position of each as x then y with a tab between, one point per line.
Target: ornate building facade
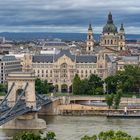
110	37
60	69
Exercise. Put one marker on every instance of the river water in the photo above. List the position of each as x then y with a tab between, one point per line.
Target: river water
73	128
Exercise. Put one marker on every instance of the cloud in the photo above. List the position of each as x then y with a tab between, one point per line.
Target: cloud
34	15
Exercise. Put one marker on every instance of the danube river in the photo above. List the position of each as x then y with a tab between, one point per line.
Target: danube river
73	128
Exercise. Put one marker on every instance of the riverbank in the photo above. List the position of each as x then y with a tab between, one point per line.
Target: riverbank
83	110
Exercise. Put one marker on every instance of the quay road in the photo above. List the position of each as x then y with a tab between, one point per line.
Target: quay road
124	100
78	99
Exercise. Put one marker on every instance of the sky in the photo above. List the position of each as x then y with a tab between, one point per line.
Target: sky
67	15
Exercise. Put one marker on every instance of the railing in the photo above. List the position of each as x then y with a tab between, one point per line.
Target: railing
20	108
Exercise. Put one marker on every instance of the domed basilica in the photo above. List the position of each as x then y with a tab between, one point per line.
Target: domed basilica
111	37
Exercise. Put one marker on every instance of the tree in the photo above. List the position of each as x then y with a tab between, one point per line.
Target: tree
109	100
130	79
83	87
95	85
3	87
45	87
76	85
117	100
38	85
42	87
111	84
110	135
34	136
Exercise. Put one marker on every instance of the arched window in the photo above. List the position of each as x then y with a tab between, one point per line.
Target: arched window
105	41
108	41
89	37
111	41
90	71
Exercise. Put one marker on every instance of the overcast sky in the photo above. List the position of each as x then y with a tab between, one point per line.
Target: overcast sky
67	15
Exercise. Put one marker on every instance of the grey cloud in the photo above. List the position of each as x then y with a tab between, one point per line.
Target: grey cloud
17	14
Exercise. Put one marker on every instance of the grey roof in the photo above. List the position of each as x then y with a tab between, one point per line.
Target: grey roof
42	58
86	59
110	58
131	58
79	59
7	58
64	52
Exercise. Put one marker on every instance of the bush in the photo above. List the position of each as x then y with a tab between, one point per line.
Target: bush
110	135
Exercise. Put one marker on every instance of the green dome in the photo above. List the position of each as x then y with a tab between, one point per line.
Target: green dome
110	27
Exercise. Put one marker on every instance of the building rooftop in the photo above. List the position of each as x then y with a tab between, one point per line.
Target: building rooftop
7	58
78	58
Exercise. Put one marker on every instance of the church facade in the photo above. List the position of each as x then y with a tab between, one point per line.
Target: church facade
110	38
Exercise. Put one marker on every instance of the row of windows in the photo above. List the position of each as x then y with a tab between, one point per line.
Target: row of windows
86	66
64	66
63	71
12	63
86	71
110	41
42	66
43	71
43	75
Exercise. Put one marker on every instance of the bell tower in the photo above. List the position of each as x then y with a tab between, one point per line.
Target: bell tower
90	40
121	38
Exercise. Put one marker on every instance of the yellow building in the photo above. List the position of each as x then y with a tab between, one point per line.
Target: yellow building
60	69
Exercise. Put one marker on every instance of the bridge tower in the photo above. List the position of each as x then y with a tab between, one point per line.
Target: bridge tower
21	87
22	81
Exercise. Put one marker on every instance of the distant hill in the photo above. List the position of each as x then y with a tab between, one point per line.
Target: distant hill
64	36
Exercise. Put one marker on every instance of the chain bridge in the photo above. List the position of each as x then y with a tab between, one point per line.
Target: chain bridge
20	105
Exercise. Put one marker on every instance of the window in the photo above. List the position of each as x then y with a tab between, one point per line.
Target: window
108	41
90	71
89	37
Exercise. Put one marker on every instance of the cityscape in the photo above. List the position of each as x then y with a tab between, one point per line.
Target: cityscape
70	70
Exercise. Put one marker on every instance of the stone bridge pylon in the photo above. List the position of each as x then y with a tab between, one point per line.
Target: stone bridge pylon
21	103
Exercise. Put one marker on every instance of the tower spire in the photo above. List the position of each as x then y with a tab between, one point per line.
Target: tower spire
110	20
122	28
90	27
